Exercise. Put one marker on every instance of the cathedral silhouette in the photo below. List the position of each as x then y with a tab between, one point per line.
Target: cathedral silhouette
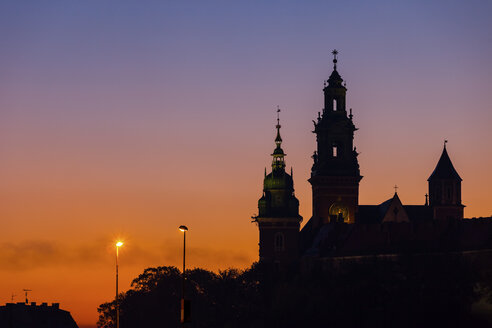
340	226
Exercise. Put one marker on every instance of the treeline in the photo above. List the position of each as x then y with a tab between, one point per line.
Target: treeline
410	292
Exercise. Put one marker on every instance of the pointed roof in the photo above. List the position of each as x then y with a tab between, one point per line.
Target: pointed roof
395	212
444	168
335	80
278	139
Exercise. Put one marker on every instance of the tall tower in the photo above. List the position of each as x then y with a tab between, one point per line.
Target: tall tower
445	189
278	212
335	174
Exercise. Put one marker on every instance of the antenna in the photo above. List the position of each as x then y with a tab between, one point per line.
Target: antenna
26	291
12	297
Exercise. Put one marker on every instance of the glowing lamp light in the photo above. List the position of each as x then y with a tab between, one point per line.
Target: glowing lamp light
118	245
183	228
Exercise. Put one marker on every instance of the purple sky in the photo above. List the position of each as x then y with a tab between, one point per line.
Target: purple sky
115	116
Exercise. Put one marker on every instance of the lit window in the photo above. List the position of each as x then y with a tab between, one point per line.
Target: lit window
334	104
335	151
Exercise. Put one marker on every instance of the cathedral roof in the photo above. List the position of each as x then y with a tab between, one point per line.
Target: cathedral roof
376	213
444	168
342	239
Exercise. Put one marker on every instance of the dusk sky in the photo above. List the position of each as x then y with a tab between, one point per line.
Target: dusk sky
126	119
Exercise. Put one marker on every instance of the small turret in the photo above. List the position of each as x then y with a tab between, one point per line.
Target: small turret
445	189
334	90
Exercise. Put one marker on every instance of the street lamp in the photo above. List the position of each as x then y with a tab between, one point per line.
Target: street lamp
118	245
183	302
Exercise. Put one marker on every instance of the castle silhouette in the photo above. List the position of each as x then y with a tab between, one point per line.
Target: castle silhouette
340	226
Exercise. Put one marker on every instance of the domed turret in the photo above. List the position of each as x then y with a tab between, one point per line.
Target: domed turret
278	187
278	210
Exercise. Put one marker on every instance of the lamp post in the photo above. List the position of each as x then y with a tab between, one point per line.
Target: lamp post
183	317
118	245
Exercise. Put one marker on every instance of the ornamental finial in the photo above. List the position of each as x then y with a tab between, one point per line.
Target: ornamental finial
278	139
335	53
278	115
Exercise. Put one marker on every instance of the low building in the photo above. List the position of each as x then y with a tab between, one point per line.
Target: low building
23	315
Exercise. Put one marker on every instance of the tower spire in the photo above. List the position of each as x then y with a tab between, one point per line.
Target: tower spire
278	153
278	139
335	173
278	210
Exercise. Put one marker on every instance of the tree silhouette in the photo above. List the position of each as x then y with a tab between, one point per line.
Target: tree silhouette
415	291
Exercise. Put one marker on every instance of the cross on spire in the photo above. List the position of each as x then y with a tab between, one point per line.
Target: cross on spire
445	142
335	53
278	115
396	188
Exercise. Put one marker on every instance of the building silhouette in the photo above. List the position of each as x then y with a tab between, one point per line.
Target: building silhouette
278	211
339	225
23	315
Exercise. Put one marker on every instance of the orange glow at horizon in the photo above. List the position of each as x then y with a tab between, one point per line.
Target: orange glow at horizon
121	122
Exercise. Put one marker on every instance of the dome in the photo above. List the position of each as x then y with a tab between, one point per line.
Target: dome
278	180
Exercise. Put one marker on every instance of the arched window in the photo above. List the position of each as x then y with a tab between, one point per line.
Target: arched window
335	151
279	242
335	105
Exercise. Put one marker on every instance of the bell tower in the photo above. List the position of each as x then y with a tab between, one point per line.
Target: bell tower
278	212
445	189
335	174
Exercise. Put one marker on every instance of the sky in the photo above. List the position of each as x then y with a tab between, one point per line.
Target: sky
125	119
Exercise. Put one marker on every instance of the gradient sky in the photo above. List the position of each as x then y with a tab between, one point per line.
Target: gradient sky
125	119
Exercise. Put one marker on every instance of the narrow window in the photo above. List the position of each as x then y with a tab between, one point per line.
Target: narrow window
335	151
334	104
279	242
